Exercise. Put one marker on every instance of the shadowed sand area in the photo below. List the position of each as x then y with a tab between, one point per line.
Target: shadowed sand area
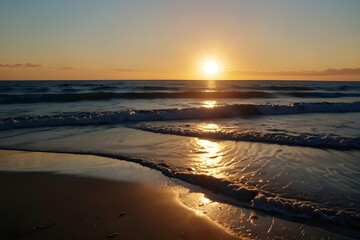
48	196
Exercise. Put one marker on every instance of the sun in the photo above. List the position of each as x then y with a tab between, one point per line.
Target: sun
211	68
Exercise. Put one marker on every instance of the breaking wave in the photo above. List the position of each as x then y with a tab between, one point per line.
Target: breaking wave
227	111
69	95
314	141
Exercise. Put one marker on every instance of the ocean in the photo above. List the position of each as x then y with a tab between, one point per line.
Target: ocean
290	149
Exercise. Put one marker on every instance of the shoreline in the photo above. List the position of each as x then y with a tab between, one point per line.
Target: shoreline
104	178
47	204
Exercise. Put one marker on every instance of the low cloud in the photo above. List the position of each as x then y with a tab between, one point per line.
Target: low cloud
20	65
342	71
327	72
33	65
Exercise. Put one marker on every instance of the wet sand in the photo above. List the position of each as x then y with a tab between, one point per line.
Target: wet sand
75	205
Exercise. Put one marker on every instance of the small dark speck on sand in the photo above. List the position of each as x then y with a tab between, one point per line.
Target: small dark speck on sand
38	228
113	235
181	236
122	214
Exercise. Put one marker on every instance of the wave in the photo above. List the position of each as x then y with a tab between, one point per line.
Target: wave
94	96
101	88
259	199
7	89
313	141
72	90
320	94
227	111
277	88
301	88
157	88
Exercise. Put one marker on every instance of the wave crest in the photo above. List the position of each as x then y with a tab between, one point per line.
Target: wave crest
228	111
69	95
314	141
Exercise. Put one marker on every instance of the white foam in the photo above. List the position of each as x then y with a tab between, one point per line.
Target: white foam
296	209
175	114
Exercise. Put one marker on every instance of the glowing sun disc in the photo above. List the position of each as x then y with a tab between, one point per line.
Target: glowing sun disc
211	68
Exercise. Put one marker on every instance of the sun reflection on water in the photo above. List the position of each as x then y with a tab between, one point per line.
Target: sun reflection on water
208	127
209	157
209	104
210	150
211	86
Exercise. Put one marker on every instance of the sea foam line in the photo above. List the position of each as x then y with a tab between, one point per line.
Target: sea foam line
227	111
261	137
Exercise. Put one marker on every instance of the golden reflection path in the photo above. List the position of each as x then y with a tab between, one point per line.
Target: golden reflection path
209	154
211	85
209	104
208	127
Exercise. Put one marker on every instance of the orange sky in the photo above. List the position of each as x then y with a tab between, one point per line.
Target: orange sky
165	39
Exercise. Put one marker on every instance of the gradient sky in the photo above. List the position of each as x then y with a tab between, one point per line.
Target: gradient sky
169	39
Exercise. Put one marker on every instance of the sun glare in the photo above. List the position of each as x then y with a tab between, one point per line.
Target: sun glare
209	104
211	68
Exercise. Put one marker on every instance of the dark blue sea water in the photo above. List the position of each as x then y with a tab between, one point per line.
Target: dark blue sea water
288	148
